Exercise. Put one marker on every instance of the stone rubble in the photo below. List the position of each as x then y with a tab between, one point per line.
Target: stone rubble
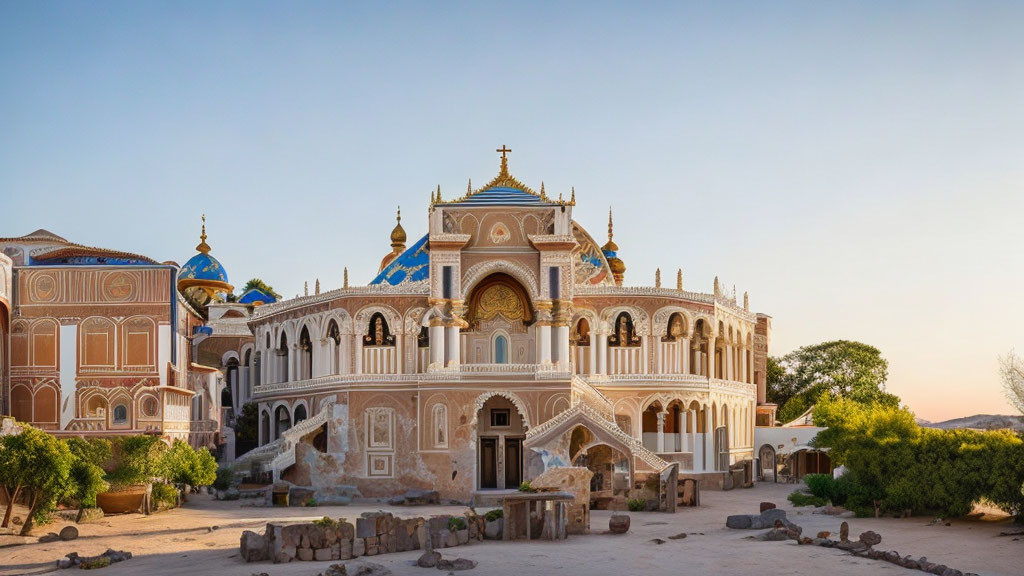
106	559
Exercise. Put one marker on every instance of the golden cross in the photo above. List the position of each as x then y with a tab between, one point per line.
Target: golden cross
504	150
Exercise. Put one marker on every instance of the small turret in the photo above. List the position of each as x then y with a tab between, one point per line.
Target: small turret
398	239
611	249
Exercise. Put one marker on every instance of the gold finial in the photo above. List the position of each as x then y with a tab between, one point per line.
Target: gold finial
718	291
610	233
398	235
203	246
679	280
560	198
345	285
572	199
438	193
305	288
746	300
399	215
469	187
542	193
317	286
504	150
657	278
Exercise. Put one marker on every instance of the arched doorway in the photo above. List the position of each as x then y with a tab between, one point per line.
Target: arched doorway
264	428
499	315
610	467
501	429
282	421
766	464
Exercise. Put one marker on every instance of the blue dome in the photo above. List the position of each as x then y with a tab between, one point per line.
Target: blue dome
413	265
256	296
203	267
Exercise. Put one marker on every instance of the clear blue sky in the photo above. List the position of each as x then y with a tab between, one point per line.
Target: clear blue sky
856	167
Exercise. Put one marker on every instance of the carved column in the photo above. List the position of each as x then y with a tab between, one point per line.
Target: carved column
602	349
562	317
592	352
544	318
710	371
453	337
661	431
357	341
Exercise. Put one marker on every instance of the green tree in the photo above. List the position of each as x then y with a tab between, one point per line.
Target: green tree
836	369
87	474
137	459
37	465
778	386
247	423
260	285
1011	368
182	464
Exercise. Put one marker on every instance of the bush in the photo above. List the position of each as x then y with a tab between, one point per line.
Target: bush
182	464
87	476
164	495
456	523
800	498
326	522
224	478
135	459
494	515
896	465
310	502
526	487
636	505
821	485
37	466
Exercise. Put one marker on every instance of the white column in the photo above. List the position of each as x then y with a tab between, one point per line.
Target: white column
602	353
684	351
399	352
661	432
437	345
454	346
643	368
709	441
681	426
592	353
69	366
544	344
659	357
562	347
358	341
345	353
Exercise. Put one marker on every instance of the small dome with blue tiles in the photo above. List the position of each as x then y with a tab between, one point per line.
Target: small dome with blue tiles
203	278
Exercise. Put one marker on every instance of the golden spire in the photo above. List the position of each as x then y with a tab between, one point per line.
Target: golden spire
615	264
469	187
438	193
317	286
203	246
398	236
504	150
657	278
679	280
345	285
611	232
718	290
542	193
572	199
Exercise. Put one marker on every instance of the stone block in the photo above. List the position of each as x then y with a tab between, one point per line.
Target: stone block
441	538
348	531
287	554
870	538
305	554
739	521
366	527
345	550
462	536
493	529
322	554
428	559
253	547
766	506
358	547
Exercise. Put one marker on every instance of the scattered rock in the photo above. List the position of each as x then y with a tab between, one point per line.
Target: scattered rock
68	533
870	538
51	537
429	559
657	540
92	562
494	528
844	532
832	510
364	569
619	524
86	515
773	535
766	506
416	498
679	536
824	534
334	570
457	564
739	521
17	521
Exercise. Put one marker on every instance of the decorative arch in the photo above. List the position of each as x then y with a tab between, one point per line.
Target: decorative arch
138	341
45	343
480	271
499	294
363	316
662	316
641	322
21	402
512	397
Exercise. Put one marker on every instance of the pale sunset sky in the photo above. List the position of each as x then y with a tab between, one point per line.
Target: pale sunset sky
857	167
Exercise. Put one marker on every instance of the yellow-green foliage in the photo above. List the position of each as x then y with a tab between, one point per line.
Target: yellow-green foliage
899	465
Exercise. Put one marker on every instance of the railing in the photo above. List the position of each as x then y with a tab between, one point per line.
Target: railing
584	393
281	452
680	378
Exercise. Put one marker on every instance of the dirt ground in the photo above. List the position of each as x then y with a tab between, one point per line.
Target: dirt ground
202	538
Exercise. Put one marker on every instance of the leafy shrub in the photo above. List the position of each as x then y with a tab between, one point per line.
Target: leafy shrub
821	485
896	465
456	523
799	498
164	495
494	515
135	459
183	464
326	522
224	478
526	487
636	505
87	476
35	465
310	502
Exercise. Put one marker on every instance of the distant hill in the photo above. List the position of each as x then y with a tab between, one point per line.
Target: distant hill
978	422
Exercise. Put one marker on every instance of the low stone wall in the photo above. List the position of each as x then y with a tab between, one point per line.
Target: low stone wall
373	533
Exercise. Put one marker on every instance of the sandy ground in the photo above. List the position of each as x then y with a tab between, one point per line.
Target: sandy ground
181	542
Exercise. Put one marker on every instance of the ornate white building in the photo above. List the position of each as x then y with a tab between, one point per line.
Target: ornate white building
501	344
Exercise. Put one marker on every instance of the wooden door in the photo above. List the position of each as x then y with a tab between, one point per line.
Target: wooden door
513	462
488	463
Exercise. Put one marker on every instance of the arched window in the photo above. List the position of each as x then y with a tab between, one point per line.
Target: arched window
501	349
379	333
306	355
581	335
120	414
440	425
300	413
624	333
676	327
256	369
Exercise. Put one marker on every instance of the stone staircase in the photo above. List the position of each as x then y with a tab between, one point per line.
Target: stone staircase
278	455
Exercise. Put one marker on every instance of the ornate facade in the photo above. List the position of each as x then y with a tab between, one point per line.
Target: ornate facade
498	345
